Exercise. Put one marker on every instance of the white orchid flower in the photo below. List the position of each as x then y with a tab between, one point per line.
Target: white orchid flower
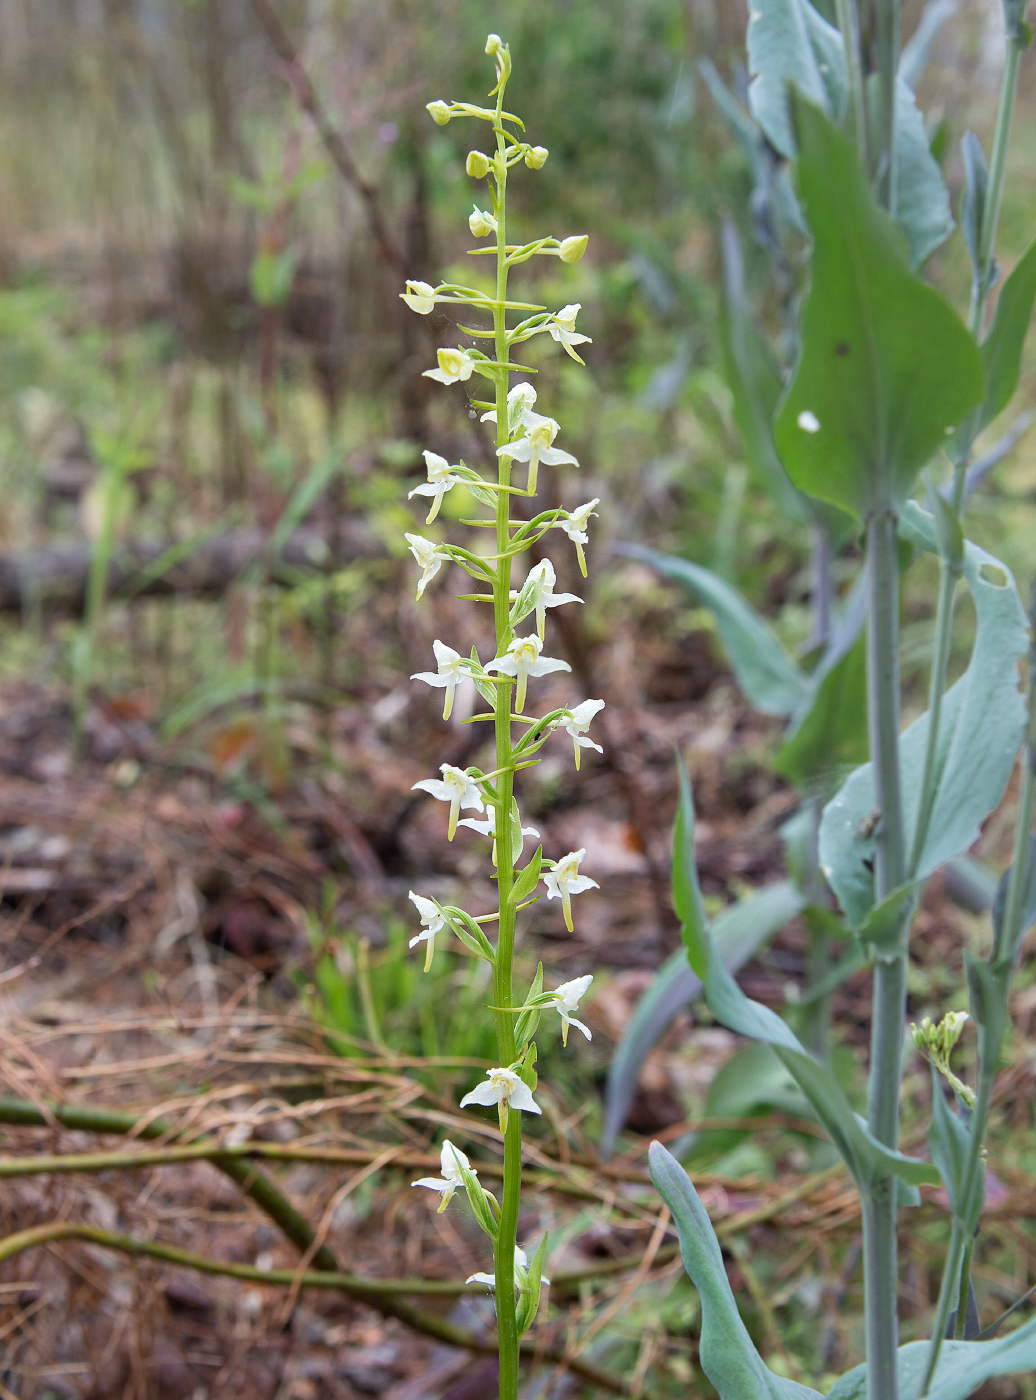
566	1000
488	827
454	365
452	1159
506	1090
521	1270
456	788
419	296
432	922
429	556
562	327
453	668
481	223
565	880
441	478
577	722
537	594
520	399
536	447
574	523
523	660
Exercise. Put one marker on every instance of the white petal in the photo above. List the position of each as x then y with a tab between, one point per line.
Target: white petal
579	883
487	1279
432	1183
481	1094
435	787
573	1022
570	992
521	1098
432	678
545	666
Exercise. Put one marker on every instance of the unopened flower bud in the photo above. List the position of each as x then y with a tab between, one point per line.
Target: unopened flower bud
439	111
493	45
477	165
572	249
536	157
481	223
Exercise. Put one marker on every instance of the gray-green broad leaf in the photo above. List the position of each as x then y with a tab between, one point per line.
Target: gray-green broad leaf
790	45
728	1355
737	934
980	732
962	1368
887	370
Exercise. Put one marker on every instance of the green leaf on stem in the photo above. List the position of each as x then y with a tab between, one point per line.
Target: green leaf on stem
988	991
973	205
948	1141
867	1159
527	879
1001	350
887	370
962	1368
529	1019
884	928
790	46
687	900
980	731
766	675
727	1352
529	1302
832	732
737	934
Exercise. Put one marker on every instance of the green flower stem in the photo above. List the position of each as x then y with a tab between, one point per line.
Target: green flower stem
956	1270
995	188
849	24
949	573
507	1320
965	1288
887	26
889	1002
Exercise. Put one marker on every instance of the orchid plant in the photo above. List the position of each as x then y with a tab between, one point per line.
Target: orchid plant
525	441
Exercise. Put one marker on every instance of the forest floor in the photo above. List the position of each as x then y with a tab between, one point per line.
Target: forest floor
166	910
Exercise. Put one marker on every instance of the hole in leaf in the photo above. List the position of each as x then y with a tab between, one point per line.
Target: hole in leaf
990	573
